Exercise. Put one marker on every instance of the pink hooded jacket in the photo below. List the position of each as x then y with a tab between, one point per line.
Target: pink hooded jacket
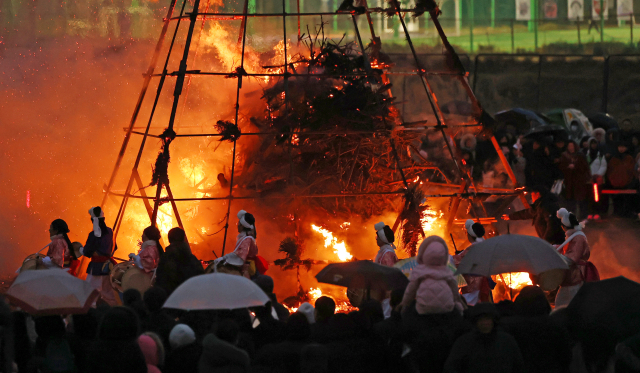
431	283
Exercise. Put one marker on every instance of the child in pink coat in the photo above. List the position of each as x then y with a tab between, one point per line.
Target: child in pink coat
431	283
150	251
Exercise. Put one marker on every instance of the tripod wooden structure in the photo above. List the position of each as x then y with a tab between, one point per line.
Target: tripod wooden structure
465	189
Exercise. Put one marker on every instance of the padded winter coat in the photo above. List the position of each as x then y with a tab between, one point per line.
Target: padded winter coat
431	283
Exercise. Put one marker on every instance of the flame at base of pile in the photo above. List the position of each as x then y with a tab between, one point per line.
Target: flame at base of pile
342	305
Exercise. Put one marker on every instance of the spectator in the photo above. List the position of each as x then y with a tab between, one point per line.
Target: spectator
285	356
598	165
577	175
219	351
157	321
432	286
519	165
153	351
269	329
485	349
116	348
621	175
52	351
611	144
133	299
150	250
185	351
265	283
324	310
544	204
584	144
314	359
543	343
178	264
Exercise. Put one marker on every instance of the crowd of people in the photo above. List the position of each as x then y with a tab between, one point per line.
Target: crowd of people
429	326
610	160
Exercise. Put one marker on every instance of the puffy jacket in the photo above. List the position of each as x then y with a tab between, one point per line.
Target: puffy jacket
431	283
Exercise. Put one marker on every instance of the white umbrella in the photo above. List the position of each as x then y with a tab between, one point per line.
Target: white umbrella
511	253
51	292
216	291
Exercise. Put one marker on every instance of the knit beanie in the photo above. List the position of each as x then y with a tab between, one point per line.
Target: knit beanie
181	335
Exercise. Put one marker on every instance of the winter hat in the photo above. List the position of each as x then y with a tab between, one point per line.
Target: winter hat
568	219
247	220
149	349
600	132
96	220
385	233
433	251
181	335
308	311
475	230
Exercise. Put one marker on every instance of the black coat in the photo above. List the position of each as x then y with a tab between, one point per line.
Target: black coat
474	352
544	219
176	266
116	356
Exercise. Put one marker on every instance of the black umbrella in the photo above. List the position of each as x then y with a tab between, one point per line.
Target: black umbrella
365	273
547	130
608	308
521	120
602	120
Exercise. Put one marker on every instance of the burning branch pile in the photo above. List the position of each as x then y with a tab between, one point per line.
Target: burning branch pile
332	125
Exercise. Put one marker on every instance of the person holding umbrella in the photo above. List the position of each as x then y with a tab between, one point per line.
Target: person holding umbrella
384	238
246	251
477	289
576	251
99	248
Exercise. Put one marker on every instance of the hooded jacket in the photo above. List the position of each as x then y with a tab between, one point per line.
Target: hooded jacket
597	161
431	283
621	169
176	266
578	251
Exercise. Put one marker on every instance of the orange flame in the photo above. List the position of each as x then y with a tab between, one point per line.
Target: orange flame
339	248
516	280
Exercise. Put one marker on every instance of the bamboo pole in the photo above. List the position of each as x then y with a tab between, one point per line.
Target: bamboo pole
143	92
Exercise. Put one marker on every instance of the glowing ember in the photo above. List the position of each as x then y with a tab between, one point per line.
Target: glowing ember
339	248
345	225
29	198
516	280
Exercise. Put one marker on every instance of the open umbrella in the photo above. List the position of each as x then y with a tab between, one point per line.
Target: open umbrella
216	291
520	120
369	275
511	253
51	292
606	308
